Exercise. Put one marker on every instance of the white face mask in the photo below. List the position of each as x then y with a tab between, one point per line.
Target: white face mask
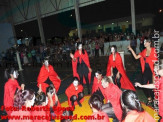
75	82
112	49
46	63
96	75
80	47
145	41
15	74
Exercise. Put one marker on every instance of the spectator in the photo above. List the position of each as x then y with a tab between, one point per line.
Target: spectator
97	47
101	45
93	48
133	43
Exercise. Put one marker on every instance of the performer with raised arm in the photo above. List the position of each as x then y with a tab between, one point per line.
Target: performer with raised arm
116	70
158	85
147	58
47	76
81	66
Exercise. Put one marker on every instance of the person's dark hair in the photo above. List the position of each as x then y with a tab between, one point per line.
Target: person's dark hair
147	39
96	102
106	79
50	89
46	58
115	47
82	47
99	71
23	96
9	71
40	98
129	102
67	114
75	78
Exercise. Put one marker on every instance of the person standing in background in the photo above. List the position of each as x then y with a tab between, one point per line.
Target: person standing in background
93	47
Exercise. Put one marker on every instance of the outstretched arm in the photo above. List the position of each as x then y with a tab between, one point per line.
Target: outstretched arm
72	56
133	53
148	86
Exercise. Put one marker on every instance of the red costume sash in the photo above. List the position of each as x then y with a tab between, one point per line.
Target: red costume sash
70	91
43	76
125	82
85	58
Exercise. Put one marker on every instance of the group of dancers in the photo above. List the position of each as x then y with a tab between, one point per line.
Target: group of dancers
122	103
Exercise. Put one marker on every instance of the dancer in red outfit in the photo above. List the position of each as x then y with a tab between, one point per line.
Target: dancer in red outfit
116	70
97	85
47	76
10	88
95	103
75	93
53	100
147	59
81	66
159	86
132	109
23	98
112	95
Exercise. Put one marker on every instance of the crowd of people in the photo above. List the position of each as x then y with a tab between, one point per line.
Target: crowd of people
59	50
122	103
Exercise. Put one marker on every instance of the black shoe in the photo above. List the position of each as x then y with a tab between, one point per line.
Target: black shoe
79	104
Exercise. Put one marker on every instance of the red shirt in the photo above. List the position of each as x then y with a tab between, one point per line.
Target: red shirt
9	92
134	116
113	94
97	85
44	75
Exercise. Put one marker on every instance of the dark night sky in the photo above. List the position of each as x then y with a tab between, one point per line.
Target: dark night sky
60	24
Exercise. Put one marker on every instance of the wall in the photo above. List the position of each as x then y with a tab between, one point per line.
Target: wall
6	36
